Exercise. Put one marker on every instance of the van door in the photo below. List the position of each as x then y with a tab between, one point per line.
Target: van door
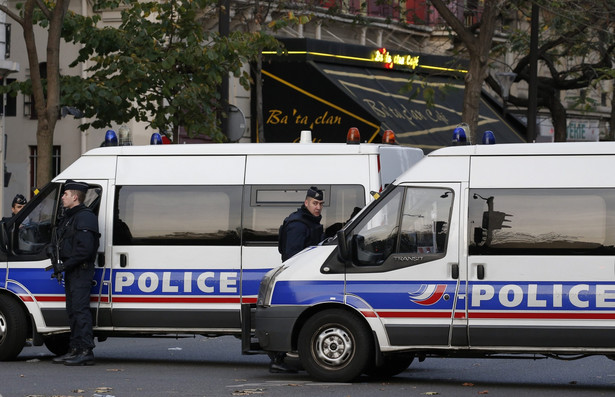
541	269
175	256
405	268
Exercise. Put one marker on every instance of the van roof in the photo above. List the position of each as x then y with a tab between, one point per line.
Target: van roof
236	148
528	149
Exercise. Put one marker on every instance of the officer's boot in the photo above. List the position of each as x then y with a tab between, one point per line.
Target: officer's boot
84	357
72	353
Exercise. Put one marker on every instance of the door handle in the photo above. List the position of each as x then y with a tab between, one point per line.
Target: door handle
455	271
480	272
123	260
101	259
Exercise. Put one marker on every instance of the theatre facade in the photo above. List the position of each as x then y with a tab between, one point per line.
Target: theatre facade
330	87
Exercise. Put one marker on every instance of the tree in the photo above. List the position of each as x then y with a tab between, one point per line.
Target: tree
576	48
45	91
477	40
162	65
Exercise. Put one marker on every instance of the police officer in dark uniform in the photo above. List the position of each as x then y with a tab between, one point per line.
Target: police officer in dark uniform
19	201
77	243
303	230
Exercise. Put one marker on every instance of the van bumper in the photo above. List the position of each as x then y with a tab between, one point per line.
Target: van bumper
273	326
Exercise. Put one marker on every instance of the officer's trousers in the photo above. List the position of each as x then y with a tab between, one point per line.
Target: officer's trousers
78	283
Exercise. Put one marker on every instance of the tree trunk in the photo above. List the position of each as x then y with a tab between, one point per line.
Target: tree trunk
558	117
471	100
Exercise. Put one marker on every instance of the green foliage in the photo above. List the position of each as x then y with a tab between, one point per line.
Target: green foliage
160	66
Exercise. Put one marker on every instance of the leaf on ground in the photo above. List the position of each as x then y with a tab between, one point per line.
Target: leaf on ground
467	384
484	392
247	392
431	393
114	370
103	389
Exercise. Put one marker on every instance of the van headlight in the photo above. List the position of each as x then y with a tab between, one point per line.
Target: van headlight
266	288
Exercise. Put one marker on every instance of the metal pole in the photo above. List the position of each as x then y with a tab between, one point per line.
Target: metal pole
224	30
533	80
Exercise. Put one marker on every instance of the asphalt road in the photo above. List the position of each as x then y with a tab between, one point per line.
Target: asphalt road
215	367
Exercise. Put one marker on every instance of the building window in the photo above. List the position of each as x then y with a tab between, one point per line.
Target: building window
10	108
55	170
7	40
29	108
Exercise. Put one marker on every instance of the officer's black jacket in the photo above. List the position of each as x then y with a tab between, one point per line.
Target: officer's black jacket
301	234
78	237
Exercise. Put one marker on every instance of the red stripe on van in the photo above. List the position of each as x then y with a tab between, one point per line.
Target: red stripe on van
422	313
368	313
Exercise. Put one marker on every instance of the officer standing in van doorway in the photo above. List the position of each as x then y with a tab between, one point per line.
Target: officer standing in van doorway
303	226
301	229
77	244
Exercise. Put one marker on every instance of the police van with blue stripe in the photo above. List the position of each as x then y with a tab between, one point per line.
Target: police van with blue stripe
187	232
475	251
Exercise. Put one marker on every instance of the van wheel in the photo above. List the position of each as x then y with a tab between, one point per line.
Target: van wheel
335	345
392	365
13	328
58	343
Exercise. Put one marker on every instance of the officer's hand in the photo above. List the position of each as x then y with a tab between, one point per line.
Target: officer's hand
57	276
58	267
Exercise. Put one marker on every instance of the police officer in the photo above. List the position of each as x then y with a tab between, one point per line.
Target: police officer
303	229
77	244
19	201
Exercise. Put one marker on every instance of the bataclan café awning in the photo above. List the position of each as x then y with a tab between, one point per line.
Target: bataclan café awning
328	88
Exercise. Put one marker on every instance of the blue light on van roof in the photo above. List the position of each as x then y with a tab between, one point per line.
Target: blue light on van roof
110	138
488	138
459	135
156	139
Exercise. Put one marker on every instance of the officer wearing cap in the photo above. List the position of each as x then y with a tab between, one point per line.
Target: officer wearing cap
77	244
304	228
19	201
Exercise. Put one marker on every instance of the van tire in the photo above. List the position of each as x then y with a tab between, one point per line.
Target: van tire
13	328
58	344
335	345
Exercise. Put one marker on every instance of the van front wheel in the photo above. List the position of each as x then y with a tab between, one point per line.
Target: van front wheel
335	345
13	328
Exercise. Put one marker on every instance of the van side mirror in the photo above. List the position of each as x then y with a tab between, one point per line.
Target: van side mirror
342	247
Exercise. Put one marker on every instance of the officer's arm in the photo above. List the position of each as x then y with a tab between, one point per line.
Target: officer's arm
296	234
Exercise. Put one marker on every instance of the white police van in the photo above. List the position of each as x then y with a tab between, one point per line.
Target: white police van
476	251
187	233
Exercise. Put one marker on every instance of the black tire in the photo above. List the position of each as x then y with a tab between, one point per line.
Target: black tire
58	344
13	328
392	365
335	346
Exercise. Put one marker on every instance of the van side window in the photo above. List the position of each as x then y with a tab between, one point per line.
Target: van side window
34	229
542	222
266	206
177	215
409	222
